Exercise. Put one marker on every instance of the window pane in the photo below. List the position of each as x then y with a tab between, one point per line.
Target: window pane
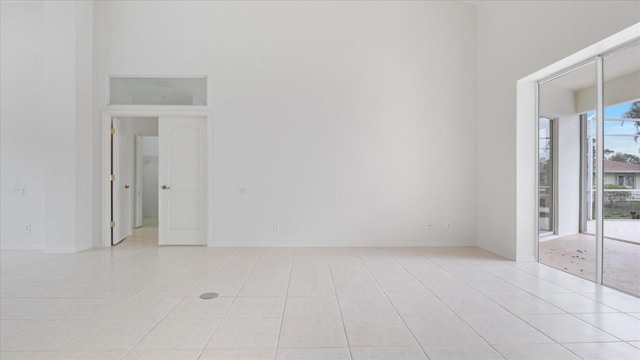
545	184
566	153
621	243
620	127
157	91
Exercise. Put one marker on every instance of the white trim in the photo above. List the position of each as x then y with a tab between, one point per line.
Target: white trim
141	110
586	179
555	155
607	45
59	250
150	111
526	171
147	76
554	144
536	223
528	258
599	166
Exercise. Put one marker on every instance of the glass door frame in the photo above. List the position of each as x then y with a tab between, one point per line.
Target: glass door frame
586	174
553	207
599	136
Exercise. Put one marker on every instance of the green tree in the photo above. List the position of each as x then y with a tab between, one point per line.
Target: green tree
625	158
634	114
607	153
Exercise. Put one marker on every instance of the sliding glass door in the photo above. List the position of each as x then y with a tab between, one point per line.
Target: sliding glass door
563	106
589	170
621	171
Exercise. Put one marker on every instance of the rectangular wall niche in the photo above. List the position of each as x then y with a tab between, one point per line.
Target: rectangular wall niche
131	90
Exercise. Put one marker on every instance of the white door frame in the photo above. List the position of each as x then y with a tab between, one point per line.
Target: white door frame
137	188
106	116
121	194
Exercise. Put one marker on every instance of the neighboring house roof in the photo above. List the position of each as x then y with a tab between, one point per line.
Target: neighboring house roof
620	167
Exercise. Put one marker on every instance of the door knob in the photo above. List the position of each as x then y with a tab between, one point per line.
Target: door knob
165	187
127	186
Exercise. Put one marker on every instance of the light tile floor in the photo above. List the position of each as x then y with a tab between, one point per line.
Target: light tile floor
140	301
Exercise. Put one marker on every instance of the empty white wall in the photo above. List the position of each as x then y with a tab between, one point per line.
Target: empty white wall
341	120
21	66
345	123
46	124
515	39
568	174
83	125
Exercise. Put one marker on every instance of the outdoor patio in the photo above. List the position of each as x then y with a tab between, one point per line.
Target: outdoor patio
575	254
619	229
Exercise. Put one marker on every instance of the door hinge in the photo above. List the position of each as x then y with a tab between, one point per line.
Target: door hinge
112	177
112	224
112	131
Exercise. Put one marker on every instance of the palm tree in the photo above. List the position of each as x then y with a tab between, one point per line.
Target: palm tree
634	114
634	111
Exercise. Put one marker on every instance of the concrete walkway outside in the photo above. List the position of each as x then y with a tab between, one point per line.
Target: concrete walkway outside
628	230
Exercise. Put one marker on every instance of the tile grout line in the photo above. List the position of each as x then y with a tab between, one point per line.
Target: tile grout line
555	284
226	312
335	296
393	306
127	301
150	330
518	316
564	312
156	325
183	298
284	307
416	270
445	304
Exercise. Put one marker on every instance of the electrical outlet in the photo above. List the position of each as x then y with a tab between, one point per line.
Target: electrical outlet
276	227
448	226
27	228
19	191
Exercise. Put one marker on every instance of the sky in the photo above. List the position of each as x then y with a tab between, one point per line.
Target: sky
624	144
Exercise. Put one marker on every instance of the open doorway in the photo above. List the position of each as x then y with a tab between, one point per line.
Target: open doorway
183	177
148	176
134	170
145	232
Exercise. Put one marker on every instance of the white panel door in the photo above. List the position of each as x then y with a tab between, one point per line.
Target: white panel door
183	181
138	187
121	193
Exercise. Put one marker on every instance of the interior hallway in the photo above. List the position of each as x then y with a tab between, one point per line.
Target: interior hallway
145	236
140	301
